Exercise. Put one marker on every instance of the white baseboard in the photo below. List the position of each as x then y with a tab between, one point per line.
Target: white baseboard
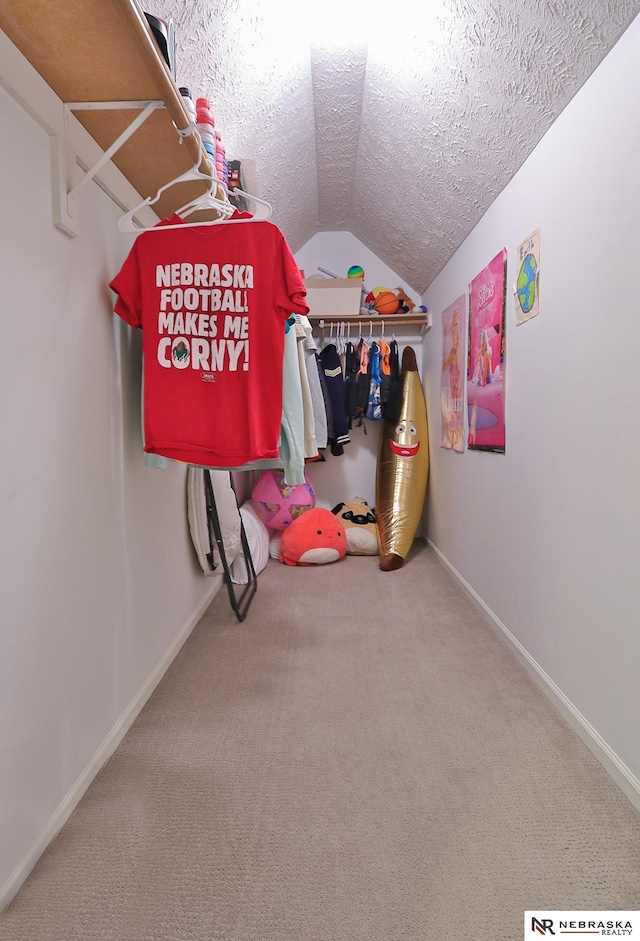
104	752
613	765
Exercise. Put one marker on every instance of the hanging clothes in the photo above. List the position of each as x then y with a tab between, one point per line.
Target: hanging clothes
362	381
351	367
291	445
212	302
310	445
385	371
317	400
392	398
334	379
374	409
326	399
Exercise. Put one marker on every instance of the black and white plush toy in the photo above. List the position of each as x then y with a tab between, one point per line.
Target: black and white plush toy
360	525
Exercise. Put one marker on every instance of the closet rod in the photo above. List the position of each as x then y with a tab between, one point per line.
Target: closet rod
361	320
389	319
423	322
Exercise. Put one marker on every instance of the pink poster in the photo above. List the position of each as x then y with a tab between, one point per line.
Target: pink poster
451	380
486	357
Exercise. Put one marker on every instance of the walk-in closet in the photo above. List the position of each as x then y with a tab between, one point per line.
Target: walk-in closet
319	515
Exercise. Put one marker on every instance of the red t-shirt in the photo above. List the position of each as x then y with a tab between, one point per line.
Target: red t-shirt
212	302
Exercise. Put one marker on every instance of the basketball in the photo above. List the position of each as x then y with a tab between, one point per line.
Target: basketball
386	303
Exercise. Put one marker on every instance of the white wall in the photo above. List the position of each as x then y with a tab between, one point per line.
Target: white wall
339	251
548	535
98	578
353	474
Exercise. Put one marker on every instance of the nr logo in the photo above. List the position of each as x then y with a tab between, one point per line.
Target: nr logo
542	927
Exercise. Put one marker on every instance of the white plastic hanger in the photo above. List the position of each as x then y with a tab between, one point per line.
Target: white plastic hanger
256	217
208	200
125	222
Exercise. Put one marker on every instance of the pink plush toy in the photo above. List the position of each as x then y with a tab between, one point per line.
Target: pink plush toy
315	538
277	503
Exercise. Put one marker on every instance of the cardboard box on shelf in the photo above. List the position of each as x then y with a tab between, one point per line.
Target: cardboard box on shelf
334	297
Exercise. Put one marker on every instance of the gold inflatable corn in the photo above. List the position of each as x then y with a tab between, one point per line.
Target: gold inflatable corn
403	469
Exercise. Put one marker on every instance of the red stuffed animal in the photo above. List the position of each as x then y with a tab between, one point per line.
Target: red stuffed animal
315	538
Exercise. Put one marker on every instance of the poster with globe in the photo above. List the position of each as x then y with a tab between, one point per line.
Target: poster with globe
526	290
454	322
486	357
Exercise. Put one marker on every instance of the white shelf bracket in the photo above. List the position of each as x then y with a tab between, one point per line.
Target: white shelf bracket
64	168
63	159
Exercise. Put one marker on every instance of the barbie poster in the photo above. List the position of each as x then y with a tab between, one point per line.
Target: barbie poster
486	357
451	380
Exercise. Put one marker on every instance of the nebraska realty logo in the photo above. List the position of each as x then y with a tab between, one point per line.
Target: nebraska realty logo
582	924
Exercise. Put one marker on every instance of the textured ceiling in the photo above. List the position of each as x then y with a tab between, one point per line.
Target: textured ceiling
403	137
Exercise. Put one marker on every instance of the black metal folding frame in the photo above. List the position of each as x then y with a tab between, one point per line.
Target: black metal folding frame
241	603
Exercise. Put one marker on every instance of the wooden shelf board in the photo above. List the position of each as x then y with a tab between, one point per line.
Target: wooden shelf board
404	319
103	50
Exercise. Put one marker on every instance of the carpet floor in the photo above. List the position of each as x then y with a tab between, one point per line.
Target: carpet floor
361	760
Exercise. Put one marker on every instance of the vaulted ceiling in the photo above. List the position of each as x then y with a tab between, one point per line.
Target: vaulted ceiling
400	122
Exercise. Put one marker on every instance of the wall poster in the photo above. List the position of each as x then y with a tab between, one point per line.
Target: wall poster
454	322
486	357
526	290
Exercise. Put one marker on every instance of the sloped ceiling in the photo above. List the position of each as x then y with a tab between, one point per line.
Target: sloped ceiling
401	126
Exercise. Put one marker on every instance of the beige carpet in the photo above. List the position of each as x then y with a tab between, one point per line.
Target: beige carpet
361	760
